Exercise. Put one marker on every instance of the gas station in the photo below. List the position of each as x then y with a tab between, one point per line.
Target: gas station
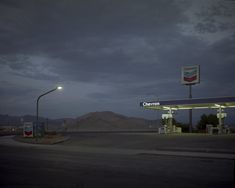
190	75
169	106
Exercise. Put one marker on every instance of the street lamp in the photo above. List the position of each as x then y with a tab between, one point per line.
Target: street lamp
57	88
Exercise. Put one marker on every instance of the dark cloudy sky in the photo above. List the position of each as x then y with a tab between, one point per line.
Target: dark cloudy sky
112	54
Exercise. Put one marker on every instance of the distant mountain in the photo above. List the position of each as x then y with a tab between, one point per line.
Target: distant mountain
94	121
109	121
7	120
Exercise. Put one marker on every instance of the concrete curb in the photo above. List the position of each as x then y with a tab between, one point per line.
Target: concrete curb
43	141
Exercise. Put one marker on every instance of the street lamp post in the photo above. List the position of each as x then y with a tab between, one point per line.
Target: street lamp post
57	88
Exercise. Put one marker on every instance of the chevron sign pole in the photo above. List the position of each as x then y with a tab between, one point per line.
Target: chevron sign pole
190	75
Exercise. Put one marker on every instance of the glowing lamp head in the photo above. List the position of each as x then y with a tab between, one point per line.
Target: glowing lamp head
59	87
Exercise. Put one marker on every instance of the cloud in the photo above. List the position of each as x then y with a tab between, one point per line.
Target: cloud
210	21
35	67
62	22
110	54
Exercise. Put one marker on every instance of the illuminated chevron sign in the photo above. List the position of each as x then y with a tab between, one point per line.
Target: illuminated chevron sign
190	75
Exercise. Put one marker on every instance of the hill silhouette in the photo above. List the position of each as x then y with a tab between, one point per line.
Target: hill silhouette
110	121
93	121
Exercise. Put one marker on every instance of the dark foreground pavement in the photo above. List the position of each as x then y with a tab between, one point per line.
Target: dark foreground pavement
82	163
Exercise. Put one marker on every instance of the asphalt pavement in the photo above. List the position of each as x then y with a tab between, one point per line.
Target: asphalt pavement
120	160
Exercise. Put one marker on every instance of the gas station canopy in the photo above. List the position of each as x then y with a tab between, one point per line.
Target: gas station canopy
185	104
